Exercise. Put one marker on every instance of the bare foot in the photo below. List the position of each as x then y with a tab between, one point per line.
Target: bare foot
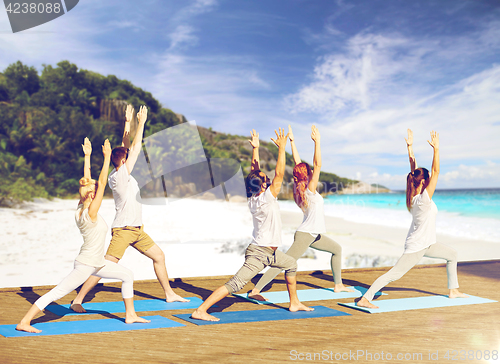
454	293
130	319
363	302
77	307
175	298
200	315
27	328
299	307
257	296
341	288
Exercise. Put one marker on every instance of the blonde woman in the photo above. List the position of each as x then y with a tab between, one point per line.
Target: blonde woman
421	238
311	233
91	260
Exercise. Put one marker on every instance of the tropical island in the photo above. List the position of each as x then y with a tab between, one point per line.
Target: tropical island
45	117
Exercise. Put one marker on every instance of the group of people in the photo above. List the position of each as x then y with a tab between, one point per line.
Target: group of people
92	263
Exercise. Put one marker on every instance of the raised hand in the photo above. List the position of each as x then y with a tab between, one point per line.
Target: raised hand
87	147
290	133
281	138
142	115
434	140
315	134
409	141
106	149
255	139
129	113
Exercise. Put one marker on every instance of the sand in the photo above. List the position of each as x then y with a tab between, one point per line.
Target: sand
199	238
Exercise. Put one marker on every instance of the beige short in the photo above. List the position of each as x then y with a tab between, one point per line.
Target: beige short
122	237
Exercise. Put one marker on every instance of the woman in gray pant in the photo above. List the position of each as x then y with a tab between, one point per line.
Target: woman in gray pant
311	232
421	239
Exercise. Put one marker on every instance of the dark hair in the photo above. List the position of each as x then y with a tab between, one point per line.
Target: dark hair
118	154
301	175
254	182
413	181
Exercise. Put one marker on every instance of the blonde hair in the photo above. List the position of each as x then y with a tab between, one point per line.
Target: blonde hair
86	189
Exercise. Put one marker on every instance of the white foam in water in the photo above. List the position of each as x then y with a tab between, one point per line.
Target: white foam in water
452	224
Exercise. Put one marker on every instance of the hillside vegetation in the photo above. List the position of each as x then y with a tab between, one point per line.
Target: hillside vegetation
45	117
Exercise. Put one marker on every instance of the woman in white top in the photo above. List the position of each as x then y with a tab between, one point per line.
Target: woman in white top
91	260
311	232
421	239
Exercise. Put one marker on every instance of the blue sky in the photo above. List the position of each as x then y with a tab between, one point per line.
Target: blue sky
362	71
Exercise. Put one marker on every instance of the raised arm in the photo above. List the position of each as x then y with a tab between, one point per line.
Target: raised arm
135	148
295	152
87	151
280	141
129	116
254	142
435	164
101	184
409	143
316	160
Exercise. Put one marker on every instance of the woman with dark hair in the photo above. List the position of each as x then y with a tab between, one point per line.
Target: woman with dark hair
91	260
421	238
311	232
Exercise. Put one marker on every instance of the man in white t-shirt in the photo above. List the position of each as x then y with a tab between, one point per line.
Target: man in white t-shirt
127	228
262	251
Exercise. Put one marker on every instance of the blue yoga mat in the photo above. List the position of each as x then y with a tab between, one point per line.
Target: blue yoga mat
316	294
89	326
119	306
274	314
415	303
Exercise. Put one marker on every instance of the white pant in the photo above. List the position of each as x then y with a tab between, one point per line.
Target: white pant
80	274
408	261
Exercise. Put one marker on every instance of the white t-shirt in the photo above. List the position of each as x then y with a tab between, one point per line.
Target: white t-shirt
94	235
125	193
314	215
422	232
266	219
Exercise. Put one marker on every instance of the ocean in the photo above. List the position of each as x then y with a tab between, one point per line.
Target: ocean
468	213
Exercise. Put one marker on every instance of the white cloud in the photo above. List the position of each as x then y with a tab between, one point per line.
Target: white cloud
183	35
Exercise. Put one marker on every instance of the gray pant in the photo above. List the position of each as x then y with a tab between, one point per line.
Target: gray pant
408	261
257	258
301	242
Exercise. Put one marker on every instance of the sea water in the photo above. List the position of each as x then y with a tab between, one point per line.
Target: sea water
467	213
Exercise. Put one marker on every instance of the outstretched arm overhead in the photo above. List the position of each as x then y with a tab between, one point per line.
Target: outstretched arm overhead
295	152
254	142
435	164
136	146
316	160
409	143
87	151
129	116
101	184
280	141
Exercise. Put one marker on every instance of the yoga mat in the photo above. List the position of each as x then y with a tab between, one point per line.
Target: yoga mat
415	303
274	314
316	294
119	306
89	326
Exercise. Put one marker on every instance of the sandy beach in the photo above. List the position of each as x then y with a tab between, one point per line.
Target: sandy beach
199	238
